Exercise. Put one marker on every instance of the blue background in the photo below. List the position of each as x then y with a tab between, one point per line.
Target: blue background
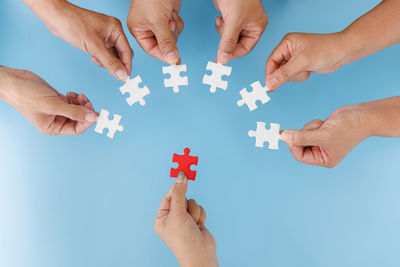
91	201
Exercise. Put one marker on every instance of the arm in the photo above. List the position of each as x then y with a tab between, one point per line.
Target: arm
326	143
374	31
300	54
51	112
99	35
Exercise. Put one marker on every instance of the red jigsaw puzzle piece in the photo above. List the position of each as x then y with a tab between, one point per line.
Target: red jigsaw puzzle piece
184	161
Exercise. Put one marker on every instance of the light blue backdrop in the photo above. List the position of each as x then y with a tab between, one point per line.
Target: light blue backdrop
90	201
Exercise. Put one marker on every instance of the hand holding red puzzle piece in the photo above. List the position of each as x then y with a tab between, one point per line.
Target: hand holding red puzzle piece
184	161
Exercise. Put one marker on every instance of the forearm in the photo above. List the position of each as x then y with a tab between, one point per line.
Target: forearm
50	12
4	78
382	116
372	32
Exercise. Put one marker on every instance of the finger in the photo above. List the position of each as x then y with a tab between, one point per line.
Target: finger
279	56
194	210
96	61
72	98
71	111
83	100
301	76
165	204
309	155
230	32
166	42
245	45
69	127
203	217
302	138
178	197
110	61
284	73
124	50
313	125
179	23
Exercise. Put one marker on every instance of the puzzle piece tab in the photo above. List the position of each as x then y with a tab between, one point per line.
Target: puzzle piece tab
112	125
249	98
175	80
263	135
215	79
184	161
136	93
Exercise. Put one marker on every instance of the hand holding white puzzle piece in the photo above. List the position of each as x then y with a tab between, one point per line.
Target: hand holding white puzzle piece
112	125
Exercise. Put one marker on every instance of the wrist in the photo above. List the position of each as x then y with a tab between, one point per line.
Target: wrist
347	47
383	116
198	260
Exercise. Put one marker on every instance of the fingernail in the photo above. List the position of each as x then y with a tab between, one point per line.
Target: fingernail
172	57
225	57
180	178
73	95
87	99
121	74
287	137
90	117
218	22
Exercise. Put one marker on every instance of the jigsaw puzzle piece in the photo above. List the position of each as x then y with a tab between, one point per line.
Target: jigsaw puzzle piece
263	135
184	162
112	125
259	93
175	80
218	70
136	93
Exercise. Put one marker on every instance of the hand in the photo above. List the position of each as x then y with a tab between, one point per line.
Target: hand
241	26
180	224
326	143
99	35
299	54
52	113
156	26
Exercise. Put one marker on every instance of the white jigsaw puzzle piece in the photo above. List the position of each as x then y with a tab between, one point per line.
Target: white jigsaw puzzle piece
215	79
136	93
112	125
175	80
249	98
263	135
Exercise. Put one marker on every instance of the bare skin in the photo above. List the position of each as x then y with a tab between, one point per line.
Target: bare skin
300	54
156	25
240	26
51	112
97	34
326	143
180	224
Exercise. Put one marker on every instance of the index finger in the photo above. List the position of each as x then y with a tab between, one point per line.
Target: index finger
125	51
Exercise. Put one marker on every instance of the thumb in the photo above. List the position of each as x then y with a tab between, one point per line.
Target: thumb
302	137
166	42
73	112
229	39
111	62
178	196
284	73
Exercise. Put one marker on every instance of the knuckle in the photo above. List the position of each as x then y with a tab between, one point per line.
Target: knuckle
284	75
229	43
114	21
166	43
